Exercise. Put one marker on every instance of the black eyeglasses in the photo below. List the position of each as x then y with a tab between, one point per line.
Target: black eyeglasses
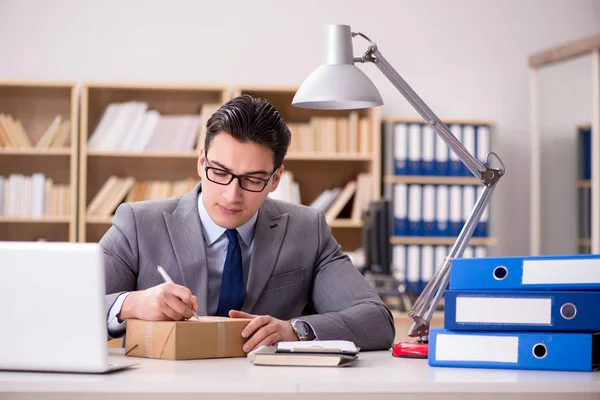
246	182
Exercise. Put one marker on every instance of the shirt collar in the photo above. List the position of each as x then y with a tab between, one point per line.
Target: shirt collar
212	232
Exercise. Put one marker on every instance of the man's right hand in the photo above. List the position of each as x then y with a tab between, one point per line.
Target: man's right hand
165	302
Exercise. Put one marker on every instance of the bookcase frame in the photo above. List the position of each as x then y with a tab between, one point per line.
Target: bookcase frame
566	51
96	166
316	172
35	104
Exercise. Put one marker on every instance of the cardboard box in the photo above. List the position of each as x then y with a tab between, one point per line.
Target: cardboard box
207	337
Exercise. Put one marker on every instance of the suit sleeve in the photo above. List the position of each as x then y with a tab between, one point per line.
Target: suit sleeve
120	249
346	306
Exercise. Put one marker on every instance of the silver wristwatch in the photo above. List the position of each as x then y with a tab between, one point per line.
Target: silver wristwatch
302	329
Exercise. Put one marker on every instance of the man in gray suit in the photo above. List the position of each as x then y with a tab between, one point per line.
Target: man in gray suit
232	251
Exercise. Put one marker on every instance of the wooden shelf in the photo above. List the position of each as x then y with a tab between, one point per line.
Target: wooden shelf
42	220
440	240
431	180
418	120
99	220
337	223
345	223
35	152
133	155
584	183
96	166
194	155
328	157
161	87
36	104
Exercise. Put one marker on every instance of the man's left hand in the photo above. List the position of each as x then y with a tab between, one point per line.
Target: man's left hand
264	330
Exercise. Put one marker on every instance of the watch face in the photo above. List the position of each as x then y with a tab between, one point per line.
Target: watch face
301	328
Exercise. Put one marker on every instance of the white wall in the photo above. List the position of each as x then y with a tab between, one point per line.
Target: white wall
466	58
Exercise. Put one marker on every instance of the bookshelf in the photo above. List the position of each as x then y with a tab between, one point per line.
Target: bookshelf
565	94
334	155
432	195
39	136
158	161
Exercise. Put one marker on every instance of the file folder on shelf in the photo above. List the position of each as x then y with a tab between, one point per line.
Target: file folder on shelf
558	272
522	310
507	350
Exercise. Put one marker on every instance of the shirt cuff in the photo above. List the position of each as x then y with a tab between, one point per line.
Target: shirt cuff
116	328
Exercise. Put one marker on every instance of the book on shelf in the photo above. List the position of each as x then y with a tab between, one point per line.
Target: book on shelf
332	135
355	194
287	190
13	135
205	113
341	201
34	196
117	189
153	190
414	149
56	135
363	195
112	193
133	126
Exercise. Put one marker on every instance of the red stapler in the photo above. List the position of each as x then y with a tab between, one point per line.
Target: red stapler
417	349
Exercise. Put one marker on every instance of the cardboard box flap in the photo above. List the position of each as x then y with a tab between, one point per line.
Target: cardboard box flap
154	339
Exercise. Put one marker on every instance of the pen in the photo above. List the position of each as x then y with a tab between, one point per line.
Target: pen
168	279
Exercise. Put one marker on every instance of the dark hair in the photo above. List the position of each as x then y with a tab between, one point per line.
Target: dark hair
250	119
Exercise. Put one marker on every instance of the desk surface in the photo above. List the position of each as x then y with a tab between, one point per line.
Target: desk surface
375	375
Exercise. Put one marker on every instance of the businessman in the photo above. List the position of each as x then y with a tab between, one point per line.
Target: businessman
232	251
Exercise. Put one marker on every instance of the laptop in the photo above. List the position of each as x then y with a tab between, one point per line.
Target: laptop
52	308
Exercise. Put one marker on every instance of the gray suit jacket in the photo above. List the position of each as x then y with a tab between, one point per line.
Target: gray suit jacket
297	267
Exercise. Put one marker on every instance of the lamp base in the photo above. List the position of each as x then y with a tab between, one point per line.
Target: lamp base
417	349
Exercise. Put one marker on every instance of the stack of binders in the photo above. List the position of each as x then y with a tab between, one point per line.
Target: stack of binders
539	313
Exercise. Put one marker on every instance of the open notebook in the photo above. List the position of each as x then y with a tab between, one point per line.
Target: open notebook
326	353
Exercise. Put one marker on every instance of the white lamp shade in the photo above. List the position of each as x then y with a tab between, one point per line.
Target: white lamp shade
337	87
338	84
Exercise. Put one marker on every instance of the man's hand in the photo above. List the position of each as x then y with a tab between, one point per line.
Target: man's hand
165	302
264	330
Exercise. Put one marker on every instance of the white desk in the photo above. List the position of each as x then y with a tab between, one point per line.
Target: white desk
377	375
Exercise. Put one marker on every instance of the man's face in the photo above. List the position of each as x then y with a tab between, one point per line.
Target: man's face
230	206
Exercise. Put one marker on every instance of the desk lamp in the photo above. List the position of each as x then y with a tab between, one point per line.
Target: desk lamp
340	85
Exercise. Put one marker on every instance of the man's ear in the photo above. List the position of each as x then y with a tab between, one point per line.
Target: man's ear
201	160
276	178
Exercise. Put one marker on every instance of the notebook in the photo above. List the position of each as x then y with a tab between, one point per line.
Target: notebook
333	353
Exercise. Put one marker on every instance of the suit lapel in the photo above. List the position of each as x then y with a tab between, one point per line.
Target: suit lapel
268	237
186	237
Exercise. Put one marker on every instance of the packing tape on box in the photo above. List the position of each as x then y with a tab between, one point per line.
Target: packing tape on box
221	345
148	338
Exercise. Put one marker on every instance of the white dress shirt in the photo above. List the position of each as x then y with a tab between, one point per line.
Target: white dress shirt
215	243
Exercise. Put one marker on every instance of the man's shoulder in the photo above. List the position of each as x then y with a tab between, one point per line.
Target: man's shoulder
297	212
168	204
151	208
